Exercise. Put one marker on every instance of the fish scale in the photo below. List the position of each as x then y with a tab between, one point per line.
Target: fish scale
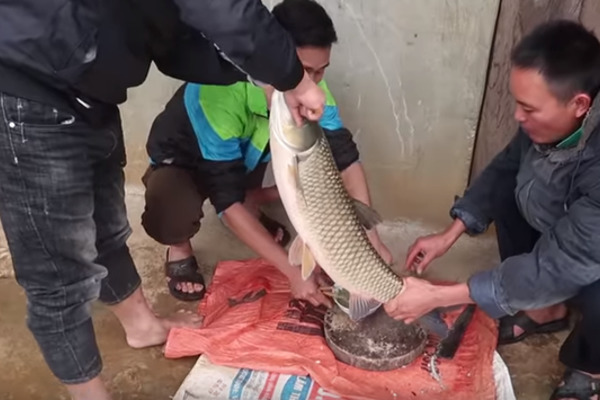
344	245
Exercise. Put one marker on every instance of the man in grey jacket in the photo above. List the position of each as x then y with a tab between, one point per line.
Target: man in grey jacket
65	65
543	194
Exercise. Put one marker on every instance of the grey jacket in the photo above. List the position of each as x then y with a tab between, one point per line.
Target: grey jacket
558	193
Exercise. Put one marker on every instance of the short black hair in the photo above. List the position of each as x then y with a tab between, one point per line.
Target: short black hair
307	22
566	54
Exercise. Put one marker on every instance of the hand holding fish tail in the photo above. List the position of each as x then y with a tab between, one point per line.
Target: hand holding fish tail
417	299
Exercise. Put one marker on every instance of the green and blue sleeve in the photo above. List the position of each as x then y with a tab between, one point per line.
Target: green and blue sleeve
344	149
217	117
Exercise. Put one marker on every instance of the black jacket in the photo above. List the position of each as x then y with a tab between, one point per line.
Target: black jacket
83	54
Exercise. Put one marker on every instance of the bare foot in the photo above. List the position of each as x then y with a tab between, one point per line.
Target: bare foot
544	315
91	390
157	332
142	327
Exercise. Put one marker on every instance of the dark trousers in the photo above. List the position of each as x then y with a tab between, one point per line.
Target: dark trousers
63	211
174	198
581	349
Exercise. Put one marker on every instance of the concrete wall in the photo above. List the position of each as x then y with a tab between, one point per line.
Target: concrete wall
409	77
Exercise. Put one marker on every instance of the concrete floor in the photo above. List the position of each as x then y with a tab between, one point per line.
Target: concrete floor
145	374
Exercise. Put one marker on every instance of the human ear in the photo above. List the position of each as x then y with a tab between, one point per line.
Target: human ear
581	103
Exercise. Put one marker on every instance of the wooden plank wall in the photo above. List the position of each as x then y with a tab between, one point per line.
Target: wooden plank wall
516	18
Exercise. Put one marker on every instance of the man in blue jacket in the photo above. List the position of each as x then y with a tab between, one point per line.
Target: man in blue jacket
65	65
543	194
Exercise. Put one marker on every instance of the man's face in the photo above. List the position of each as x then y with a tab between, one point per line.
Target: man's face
544	117
314	60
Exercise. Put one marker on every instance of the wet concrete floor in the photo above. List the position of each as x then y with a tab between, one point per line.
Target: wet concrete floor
146	374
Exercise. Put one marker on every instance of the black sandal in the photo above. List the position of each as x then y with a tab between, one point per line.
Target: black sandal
506	334
184	271
273	227
576	385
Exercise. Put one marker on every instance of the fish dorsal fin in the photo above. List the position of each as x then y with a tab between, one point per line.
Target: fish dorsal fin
367	216
360	308
300	255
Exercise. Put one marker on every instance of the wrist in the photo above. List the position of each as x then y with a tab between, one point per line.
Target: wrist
453	295
290	272
304	85
453	232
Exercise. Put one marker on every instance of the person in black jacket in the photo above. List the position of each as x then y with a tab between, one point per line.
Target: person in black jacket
64	67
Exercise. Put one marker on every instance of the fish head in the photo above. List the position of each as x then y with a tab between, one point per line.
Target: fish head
297	140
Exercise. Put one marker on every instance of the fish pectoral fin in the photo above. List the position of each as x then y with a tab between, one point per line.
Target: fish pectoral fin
293	172
300	255
367	216
360	307
295	252
308	262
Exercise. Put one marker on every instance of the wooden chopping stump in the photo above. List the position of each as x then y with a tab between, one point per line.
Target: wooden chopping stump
377	343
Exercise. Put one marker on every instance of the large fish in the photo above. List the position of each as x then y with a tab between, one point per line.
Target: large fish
330	224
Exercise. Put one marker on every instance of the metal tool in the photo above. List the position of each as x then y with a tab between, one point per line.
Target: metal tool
449	345
434	324
445	345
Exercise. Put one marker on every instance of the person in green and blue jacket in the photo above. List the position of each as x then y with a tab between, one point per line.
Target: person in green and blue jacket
213	142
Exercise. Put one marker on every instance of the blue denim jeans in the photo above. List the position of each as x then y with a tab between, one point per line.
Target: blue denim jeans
63	211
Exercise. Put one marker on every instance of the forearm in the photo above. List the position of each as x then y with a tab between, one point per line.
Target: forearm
355	181
453	232
263	195
250	231
477	208
452	295
249	36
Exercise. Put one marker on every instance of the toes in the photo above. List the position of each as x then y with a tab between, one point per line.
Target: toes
189	287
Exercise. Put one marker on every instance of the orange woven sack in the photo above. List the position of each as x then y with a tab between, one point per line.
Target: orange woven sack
252	322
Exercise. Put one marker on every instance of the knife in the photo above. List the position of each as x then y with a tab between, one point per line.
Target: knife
449	345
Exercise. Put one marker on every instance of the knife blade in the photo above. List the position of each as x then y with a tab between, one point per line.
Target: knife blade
449	345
